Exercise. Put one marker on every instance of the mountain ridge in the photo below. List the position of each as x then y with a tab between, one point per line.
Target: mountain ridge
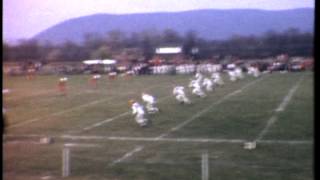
208	23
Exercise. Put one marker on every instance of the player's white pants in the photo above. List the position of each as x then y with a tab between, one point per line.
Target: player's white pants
198	92
209	88
256	73
183	99
239	75
218	81
141	120
151	108
233	78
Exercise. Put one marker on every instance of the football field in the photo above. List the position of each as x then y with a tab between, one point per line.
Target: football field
204	140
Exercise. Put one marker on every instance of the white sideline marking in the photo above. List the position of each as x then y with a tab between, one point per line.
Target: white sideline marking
23	142
293	142
266	128
80	145
127	155
287	99
103	122
281	107
29	95
48	92
153	139
46	177
197	115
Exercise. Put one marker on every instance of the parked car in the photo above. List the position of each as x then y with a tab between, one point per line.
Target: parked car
296	66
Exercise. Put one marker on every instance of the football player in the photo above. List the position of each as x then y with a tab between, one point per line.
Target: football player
238	73
207	83
62	85
150	103
197	89
138	112
217	78
94	79
180	95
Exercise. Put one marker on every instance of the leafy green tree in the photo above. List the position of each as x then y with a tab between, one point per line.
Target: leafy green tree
116	39
54	55
170	36
101	53
189	42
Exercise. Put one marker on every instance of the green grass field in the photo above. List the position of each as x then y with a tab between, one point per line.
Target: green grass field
171	148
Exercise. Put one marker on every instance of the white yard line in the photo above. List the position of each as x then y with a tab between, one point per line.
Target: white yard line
22	142
48	92
27	96
187	121
289	142
59	113
110	119
266	128
280	108
65	111
102	122
177	127
154	139
162	138
197	115
80	145
288	97
127	155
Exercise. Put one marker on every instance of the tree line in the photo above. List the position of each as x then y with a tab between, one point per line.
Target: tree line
292	42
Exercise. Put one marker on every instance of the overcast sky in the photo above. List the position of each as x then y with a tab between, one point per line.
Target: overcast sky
26	18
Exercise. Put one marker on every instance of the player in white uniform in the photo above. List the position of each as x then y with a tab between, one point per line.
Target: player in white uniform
198	77
5	91
197	89
232	75
256	72
62	85
94	79
150	103
207	83
252	70
217	78
192	82
138	111
231	66
231	72
4	111
178	91
238	73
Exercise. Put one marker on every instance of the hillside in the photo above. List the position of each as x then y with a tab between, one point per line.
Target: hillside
209	24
